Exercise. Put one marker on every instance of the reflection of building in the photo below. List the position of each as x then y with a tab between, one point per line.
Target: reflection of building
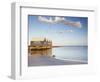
40	44
42	52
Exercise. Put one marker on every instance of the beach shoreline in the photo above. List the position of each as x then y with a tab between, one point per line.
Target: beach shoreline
50	61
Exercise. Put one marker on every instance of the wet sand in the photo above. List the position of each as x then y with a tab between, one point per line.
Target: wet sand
50	61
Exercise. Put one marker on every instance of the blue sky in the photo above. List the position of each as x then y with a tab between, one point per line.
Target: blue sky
59	33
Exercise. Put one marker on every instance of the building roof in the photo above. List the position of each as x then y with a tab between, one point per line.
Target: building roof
37	39
40	39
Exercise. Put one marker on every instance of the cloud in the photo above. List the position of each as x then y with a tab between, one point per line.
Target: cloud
45	20
59	19
65	31
74	24
54	20
51	19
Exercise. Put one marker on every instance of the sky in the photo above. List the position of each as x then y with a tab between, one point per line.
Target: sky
62	30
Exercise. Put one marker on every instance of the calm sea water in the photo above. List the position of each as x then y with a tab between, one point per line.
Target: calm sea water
79	53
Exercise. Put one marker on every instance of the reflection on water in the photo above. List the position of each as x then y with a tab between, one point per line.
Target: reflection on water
72	53
41	52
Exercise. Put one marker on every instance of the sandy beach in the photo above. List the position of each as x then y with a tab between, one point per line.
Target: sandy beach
49	61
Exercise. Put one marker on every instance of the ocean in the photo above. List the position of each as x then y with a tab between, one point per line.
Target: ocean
74	53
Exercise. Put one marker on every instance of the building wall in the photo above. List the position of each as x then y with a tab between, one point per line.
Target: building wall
45	44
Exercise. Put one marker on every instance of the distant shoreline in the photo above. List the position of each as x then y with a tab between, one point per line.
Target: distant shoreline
54	47
68	46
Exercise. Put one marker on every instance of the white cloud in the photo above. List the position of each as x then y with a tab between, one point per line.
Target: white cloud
59	20
65	31
45	20
71	23
51	19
